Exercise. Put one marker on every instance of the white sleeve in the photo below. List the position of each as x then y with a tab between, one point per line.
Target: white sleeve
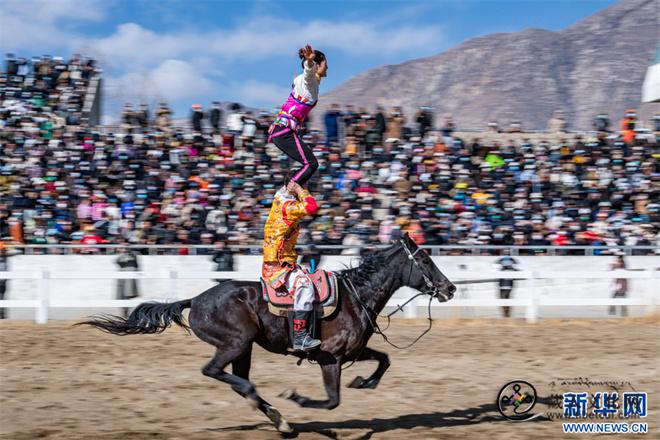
309	75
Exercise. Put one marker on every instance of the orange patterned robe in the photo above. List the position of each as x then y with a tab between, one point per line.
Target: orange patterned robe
281	234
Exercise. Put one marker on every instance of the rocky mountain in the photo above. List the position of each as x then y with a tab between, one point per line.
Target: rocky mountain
594	66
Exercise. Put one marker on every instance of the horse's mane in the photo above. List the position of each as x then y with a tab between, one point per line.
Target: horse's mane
366	274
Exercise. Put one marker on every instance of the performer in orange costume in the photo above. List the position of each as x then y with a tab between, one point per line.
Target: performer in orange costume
280	266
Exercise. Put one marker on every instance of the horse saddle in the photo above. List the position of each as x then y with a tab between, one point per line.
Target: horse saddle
280	301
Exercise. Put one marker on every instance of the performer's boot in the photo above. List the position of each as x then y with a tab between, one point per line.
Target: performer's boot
302	341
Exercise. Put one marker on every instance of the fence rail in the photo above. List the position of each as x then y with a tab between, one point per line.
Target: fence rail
532	304
435	250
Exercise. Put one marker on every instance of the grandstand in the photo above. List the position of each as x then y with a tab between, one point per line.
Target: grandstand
63	92
65	180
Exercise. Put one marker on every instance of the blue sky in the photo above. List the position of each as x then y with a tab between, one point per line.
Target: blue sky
200	51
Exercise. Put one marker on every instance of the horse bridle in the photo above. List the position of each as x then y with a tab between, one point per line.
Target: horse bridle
433	290
433	293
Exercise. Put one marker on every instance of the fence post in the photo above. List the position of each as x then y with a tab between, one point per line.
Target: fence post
41	314
532	311
174	283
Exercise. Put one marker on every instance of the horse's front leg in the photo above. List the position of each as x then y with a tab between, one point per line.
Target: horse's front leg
331	370
372	381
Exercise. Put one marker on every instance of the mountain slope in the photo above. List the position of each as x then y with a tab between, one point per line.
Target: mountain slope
596	65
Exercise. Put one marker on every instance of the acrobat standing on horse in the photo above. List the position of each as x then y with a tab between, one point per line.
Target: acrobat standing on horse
234	315
291	203
284	132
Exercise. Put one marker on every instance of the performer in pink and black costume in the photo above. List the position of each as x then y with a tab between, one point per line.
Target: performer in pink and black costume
304	96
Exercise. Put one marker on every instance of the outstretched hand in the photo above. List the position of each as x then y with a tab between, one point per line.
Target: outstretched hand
308	52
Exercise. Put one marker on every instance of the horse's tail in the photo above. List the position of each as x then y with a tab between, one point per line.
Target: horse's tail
149	317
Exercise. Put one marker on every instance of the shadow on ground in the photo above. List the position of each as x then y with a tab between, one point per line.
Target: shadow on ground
486	413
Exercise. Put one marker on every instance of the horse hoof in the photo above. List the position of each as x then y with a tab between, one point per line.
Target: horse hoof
285	429
280	424
287	394
358	382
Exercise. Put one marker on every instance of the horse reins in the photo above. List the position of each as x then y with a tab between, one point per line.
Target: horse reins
374	324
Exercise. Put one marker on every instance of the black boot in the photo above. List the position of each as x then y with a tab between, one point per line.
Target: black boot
302	341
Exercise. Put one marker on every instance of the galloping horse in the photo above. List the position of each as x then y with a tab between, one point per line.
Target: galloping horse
233	315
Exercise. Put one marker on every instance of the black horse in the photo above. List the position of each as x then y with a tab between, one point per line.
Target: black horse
232	316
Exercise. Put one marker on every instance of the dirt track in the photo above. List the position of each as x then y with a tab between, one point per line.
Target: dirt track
60	382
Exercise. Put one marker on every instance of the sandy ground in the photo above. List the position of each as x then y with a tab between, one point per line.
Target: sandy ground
63	382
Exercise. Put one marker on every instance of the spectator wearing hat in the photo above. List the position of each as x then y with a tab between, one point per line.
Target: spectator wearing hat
235	120
602	123
163	115
196	117
127	117
447	130
395	122
628	125
143	118
381	123
215	115
424	120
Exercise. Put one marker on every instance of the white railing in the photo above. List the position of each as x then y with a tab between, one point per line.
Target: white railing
532	303
200	249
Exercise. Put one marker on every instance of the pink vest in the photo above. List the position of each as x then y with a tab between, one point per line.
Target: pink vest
294	111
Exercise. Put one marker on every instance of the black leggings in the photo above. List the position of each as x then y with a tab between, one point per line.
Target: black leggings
288	141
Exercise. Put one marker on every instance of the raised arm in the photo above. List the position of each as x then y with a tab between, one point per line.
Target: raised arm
302	206
309	65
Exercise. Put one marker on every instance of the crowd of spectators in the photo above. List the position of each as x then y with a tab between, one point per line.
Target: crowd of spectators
48	90
380	174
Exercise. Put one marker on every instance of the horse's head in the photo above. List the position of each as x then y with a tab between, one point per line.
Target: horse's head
421	273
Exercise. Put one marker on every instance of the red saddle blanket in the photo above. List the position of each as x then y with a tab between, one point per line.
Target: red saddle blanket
325	286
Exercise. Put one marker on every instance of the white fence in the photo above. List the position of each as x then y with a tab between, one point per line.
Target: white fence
255	249
532	301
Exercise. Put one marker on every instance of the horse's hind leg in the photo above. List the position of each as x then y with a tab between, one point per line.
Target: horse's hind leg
239	382
372	381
